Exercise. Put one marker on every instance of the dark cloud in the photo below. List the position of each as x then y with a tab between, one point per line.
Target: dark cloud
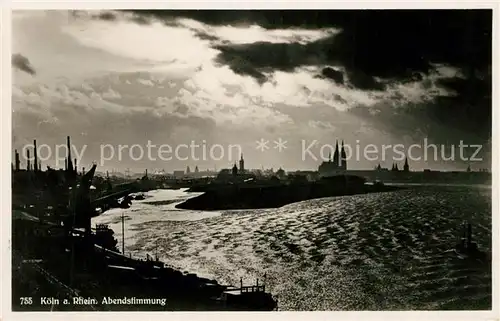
361	80
22	63
107	15
383	43
213	17
394	45
377	41
467	115
332	74
140	20
206	36
471	108
255	58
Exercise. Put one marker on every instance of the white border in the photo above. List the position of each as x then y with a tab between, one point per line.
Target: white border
5	180
254	4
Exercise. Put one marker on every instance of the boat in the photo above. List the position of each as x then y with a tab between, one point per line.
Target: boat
154	275
467	249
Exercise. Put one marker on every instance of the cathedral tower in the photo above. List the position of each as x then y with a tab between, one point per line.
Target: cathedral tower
242	164
235	170
406	167
343	158
336	156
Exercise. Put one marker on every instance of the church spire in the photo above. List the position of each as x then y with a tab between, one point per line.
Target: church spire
343	158
336	156
235	169
242	164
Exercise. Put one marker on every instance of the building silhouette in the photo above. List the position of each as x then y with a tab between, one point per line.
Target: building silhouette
17	161
343	158
70	163
235	170
242	164
28	162
35	164
336	165
406	167
280	173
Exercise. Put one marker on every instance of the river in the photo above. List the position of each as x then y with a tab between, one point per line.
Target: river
381	251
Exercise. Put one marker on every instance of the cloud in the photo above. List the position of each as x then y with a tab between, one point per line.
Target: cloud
255	33
333	74
379	42
76	110
111	94
106	15
297	73
257	58
326	125
155	42
290	66
146	82
61	96
22	63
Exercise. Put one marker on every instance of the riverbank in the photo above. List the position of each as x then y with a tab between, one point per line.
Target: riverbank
229	197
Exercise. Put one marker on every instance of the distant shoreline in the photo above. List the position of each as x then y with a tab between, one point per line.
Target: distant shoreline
440	184
233	197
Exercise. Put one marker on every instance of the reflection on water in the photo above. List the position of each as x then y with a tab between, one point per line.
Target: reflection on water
363	252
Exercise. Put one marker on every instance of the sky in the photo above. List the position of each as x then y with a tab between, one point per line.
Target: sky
294	81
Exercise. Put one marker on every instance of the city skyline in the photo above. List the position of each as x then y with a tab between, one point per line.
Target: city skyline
232	83
34	161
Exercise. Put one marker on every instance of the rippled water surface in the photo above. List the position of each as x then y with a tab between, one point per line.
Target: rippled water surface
384	251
